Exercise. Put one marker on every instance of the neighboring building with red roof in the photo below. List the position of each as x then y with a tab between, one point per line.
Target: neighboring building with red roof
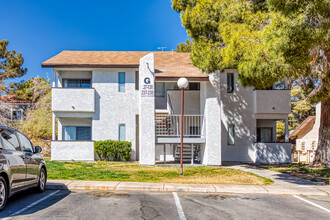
13	108
306	136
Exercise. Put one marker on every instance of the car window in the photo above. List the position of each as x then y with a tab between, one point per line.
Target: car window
10	140
25	143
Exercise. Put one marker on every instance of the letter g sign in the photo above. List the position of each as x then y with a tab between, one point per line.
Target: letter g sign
147	80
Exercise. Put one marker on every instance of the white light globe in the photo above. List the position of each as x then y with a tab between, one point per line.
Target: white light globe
183	83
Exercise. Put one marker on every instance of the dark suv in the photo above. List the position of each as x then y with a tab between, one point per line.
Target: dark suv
21	165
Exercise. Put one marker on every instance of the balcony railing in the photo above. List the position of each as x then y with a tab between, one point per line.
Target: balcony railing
170	125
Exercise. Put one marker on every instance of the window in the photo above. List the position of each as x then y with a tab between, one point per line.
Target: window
85	83
121	82
25	143
160	89
303	145
10	140
265	135
137	80
194	86
122	132
72	133
230	82
231	134
313	145
77	83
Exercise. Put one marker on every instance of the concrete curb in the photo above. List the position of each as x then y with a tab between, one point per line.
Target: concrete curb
196	188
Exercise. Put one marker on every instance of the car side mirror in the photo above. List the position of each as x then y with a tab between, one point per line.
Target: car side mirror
37	149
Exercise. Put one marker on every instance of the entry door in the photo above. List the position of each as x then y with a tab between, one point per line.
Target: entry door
31	162
15	157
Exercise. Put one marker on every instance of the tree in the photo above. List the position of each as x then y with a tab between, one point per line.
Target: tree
38	120
300	110
267	41
184	47
37	123
10	64
31	90
10	67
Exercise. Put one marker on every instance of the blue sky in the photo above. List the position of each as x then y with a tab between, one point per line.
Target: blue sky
40	29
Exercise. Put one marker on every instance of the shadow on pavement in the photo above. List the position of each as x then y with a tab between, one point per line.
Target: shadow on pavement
23	199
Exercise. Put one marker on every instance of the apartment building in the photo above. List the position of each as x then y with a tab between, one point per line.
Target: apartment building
133	96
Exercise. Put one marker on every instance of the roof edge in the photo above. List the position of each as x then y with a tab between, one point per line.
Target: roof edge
302	125
175	79
51	65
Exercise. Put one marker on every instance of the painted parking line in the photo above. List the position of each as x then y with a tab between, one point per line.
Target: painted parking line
31	205
178	206
312	203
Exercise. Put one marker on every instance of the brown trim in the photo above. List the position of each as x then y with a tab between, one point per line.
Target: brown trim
174	79
72	141
72	88
50	65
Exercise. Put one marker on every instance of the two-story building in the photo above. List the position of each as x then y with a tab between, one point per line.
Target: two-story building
133	96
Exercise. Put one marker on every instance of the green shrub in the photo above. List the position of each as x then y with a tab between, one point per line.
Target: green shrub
116	149
126	150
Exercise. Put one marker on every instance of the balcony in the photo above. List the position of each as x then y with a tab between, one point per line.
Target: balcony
271	152
272	101
73	100
168	128
72	150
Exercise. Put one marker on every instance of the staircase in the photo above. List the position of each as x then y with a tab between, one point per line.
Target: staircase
187	153
164	126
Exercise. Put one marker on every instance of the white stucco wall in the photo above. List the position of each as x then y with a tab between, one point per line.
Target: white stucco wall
113	107
73	100
237	108
270	153
210	107
110	106
72	150
272	101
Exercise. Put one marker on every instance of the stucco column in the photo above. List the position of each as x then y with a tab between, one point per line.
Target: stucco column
212	112
147	129
53	127
286	130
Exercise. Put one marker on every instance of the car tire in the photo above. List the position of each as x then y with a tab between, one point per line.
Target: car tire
3	193
42	180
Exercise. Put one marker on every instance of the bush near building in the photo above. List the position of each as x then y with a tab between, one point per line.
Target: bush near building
117	150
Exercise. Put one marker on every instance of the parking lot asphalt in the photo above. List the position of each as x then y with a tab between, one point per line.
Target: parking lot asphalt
65	204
